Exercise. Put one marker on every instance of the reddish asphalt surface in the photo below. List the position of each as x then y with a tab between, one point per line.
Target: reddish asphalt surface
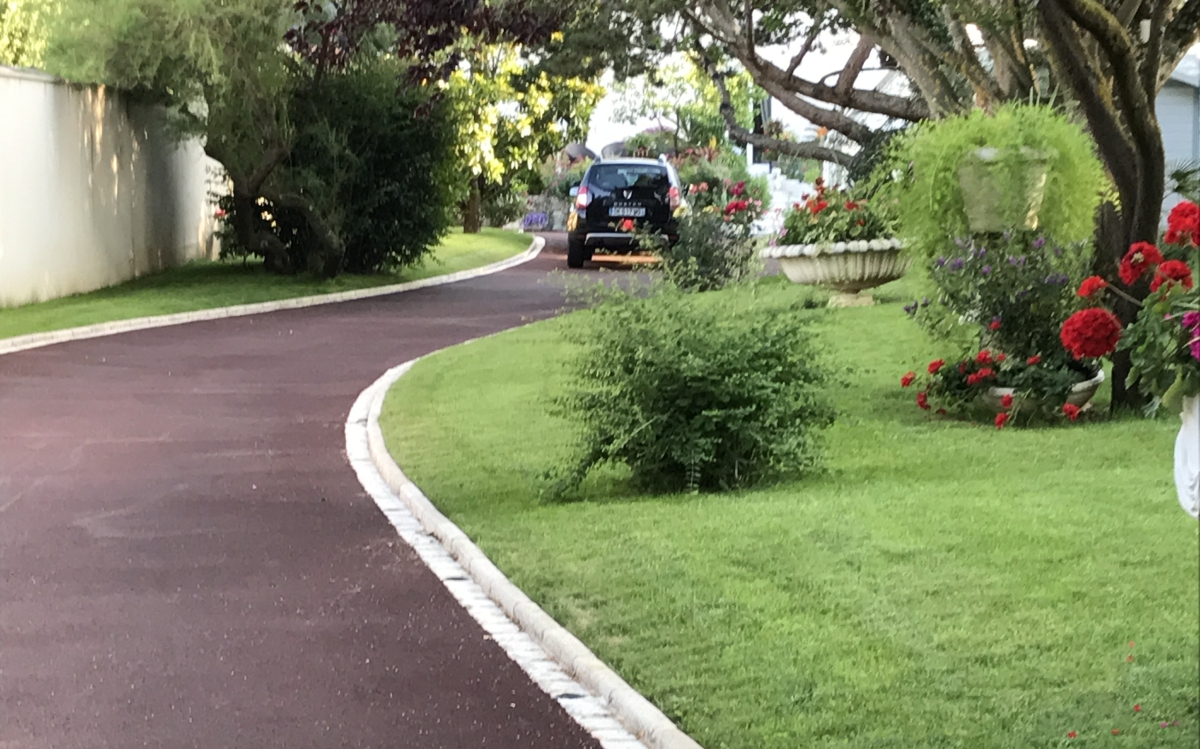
187	559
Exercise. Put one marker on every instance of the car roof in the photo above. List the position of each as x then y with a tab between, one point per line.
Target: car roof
631	160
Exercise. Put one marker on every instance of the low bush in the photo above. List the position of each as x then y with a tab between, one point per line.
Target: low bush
695	392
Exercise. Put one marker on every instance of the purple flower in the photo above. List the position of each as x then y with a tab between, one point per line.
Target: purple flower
1191	323
1057	252
1039	243
910	309
940	262
981	252
985	269
956	263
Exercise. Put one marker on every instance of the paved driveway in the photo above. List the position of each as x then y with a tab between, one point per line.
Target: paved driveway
187	559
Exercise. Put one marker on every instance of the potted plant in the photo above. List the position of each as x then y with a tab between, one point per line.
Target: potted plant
1163	341
835	239
1004	299
1021	167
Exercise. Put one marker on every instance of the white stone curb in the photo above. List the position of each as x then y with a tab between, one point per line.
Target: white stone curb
36	340
404	504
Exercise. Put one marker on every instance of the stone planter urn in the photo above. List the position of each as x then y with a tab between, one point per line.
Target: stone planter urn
1187	458
848	267
1002	190
1080	396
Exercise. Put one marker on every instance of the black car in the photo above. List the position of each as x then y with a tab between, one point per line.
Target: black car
616	195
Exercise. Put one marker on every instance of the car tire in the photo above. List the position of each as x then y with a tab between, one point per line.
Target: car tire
576	253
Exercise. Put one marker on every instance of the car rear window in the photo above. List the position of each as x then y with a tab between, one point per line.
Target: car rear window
617	176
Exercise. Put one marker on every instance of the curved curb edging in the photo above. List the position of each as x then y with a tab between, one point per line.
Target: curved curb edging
37	340
634	711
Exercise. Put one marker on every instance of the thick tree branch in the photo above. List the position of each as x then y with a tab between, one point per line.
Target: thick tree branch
708	17
987	90
805	48
743	136
1071	64
1178	36
854	66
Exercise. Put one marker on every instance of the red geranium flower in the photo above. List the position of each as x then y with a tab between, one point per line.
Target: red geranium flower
994	325
1071	734
936	365
1071	411
818	206
1002	419
1183	224
980	376
1001	357
983	357
1033	360
1115	731
1091	285
738	189
907	379
626	225
1137	708
1170	272
1006	402
1091	333
923	400
1140	257
851	205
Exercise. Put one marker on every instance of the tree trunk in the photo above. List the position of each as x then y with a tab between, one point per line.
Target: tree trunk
473	208
245	211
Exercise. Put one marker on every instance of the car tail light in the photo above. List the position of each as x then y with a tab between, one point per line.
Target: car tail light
583	198
673	194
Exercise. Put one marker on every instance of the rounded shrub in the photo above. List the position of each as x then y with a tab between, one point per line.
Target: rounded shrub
696	392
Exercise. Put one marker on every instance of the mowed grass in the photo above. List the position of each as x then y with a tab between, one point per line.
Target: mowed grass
944	585
205	285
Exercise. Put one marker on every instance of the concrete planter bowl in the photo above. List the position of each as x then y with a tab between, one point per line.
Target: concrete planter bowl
848	267
1080	396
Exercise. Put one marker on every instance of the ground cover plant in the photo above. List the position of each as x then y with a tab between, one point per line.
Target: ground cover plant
944	585
205	285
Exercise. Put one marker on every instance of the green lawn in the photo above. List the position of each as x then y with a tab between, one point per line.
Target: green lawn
945	585
204	285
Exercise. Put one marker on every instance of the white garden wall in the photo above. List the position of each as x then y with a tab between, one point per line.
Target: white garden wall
92	191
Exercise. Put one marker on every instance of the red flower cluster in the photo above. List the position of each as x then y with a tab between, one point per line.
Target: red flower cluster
1137	261
626	225
1171	272
851	205
1006	401
1183	224
936	365
1091	285
1071	411
1091	333
736	206
977	377
907	379
923	400
738	189
983	357
1034	360
1002	419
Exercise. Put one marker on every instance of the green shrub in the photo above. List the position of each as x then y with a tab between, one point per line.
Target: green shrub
388	152
695	391
714	250
928	156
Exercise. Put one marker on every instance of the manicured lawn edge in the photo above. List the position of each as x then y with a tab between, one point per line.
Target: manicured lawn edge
633	710
37	340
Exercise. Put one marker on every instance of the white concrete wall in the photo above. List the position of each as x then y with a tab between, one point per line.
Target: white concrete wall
92	191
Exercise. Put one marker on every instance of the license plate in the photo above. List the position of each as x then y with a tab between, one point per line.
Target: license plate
627	211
